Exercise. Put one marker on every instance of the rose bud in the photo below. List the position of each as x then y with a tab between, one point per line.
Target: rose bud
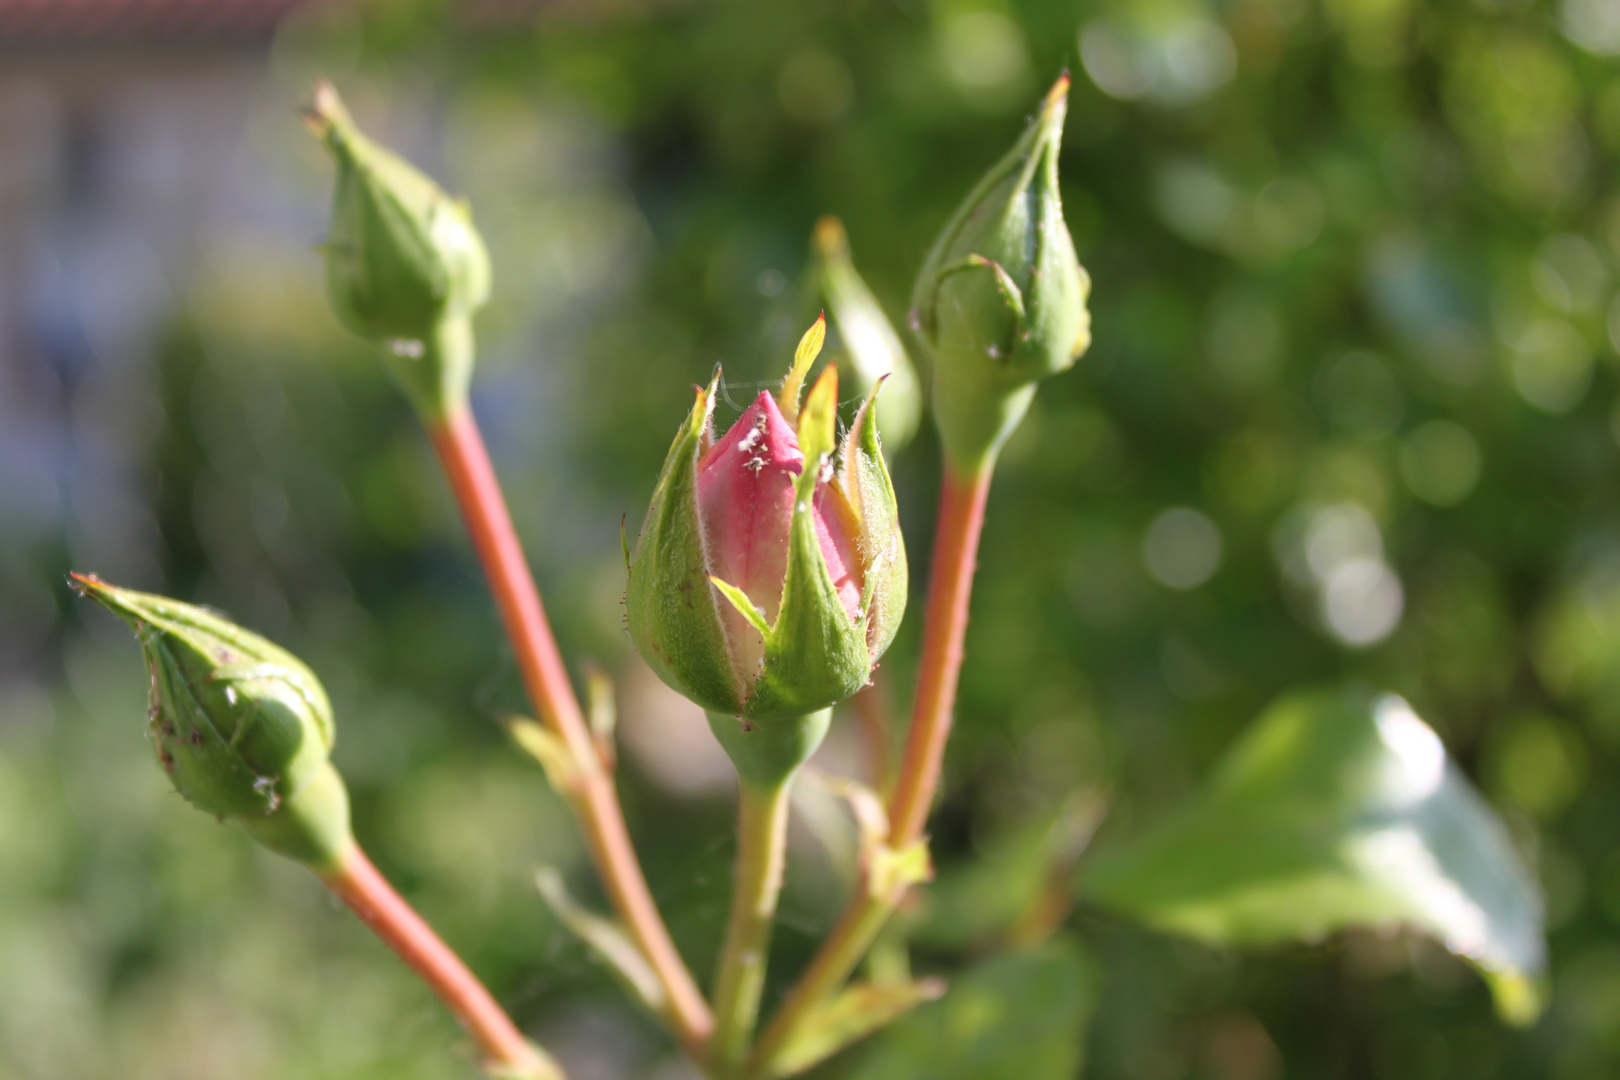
404	265
770	574
242	728
872	350
1001	299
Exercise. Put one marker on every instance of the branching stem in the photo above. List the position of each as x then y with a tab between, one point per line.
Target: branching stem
466	462
956	546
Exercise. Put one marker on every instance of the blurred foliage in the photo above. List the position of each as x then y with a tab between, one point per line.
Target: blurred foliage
1019	1014
1349	413
1338	810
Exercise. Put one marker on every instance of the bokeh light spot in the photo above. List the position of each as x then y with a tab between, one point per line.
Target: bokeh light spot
1182	548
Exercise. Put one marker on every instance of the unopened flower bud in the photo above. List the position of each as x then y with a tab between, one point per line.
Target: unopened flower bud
872	350
404	265
242	728
770	574
1001	300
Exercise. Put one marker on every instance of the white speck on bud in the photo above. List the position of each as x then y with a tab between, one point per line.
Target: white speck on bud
409	348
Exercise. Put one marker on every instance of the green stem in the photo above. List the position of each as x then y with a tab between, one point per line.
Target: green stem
956	545
762	820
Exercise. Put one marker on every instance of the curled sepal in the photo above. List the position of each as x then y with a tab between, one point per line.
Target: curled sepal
671	609
240	726
872	351
1000	301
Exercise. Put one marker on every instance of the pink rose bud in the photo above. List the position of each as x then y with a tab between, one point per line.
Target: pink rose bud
770	574
747	484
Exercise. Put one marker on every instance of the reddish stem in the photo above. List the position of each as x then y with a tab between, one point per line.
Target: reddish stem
472	478
950	585
367	893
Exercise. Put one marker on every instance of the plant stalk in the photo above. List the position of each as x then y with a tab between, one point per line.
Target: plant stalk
950	585
508	1053
762	821
466	463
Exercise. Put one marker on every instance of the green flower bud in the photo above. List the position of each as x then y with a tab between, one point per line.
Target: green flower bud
872	350
404	265
770	575
242	728
1001	300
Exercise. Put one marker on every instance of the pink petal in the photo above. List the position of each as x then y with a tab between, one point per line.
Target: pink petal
746	488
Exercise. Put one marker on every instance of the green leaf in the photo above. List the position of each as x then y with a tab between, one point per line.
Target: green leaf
851	1016
1019	1015
1339	810
606	939
980	899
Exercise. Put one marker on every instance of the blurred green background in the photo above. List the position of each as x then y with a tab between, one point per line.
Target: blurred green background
1350	414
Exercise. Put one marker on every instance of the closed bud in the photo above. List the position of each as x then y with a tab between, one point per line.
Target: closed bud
1001	300
404	265
240	726
770	575
872	351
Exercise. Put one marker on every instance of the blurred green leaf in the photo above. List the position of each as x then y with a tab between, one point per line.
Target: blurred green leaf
981	898
1339	810
852	1015
1022	1014
606	939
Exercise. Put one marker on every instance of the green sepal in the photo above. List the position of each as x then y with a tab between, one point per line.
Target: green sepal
239	724
871	344
404	265
863	480
242	728
1001	299
671	607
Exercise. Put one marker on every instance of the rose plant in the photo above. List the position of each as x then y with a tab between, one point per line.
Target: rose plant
765	584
